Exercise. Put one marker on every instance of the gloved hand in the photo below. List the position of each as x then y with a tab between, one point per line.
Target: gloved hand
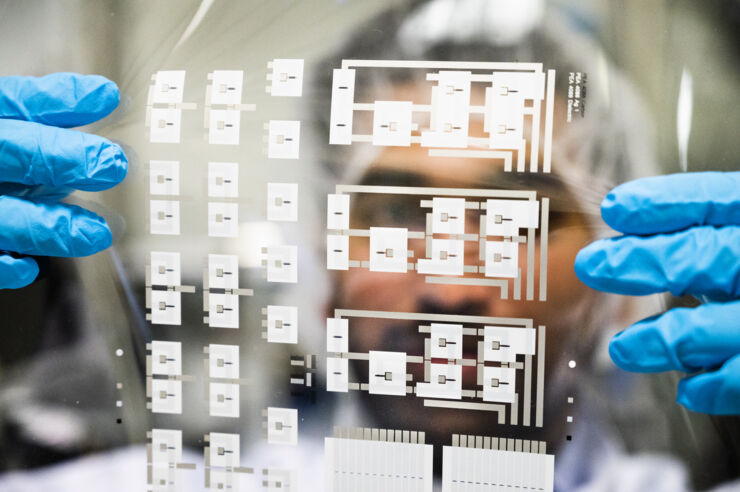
682	235
41	161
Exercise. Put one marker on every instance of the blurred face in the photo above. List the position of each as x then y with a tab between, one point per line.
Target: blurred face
359	288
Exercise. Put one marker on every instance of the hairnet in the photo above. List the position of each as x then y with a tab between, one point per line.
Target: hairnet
610	144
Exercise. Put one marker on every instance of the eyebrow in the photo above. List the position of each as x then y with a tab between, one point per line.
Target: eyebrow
551	185
378	176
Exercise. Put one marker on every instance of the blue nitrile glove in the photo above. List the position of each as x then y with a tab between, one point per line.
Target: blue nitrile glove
682	235
40	161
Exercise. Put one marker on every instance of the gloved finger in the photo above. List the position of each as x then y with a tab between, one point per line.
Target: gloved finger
35	154
700	260
59	99
716	392
17	272
51	229
682	339
40	192
674	202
